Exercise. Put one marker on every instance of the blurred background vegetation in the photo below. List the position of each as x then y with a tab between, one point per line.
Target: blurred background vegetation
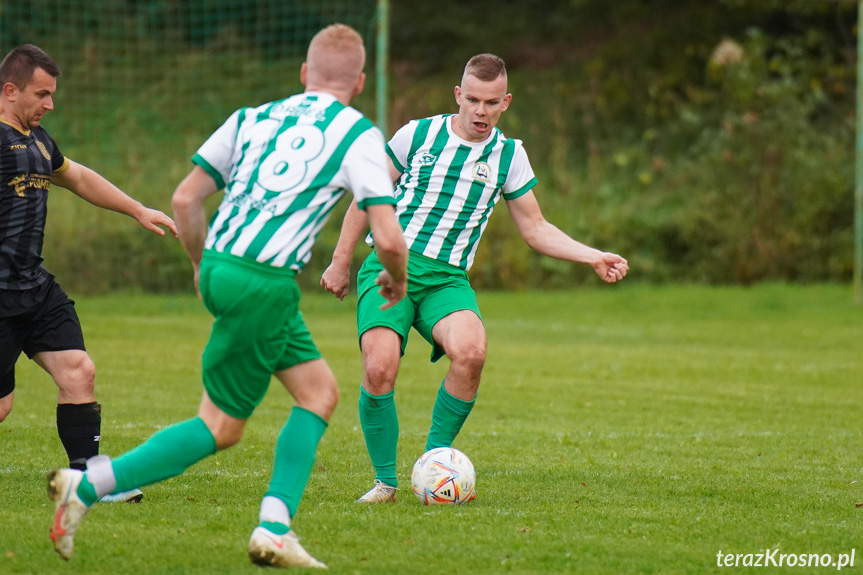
707	142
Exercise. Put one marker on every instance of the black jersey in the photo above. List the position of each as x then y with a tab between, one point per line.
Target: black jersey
27	161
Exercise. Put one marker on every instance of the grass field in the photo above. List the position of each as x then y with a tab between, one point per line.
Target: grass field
624	429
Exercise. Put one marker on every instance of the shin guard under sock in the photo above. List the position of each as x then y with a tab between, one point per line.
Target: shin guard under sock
448	416
79	427
295	455
166	454
380	424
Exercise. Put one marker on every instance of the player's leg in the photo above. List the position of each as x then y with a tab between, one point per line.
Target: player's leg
8	356
383	337
381	351
166	454
79	417
55	342
448	317
237	366
308	378
462	336
313	386
6	404
12	335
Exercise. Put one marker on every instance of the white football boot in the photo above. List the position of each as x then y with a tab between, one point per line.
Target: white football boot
267	548
380	493
131	496
69	510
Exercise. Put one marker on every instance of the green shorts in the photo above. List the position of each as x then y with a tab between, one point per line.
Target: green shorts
435	290
258	331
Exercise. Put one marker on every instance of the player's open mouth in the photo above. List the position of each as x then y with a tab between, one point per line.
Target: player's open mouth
482	127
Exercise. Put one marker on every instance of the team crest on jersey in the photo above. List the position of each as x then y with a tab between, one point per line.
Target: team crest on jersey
427	160
482	172
43	149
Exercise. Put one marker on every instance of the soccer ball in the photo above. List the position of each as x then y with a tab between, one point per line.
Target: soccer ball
444	475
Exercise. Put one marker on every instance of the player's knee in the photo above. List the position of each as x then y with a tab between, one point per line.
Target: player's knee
470	357
380	376
80	374
328	398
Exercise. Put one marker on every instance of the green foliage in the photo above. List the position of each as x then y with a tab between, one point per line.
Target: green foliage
720	152
703	160
629	429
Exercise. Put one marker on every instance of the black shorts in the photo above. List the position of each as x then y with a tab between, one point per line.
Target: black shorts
39	319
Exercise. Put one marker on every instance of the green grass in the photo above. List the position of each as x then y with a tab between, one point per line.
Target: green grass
628	429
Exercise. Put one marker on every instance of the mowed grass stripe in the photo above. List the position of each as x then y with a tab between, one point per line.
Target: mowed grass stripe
624	429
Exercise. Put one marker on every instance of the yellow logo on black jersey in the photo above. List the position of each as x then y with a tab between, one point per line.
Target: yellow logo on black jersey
18	147
24	181
43	149
19	184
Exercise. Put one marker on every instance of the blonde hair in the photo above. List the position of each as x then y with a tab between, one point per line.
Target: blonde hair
336	56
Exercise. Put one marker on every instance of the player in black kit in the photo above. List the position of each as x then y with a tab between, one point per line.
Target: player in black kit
36	316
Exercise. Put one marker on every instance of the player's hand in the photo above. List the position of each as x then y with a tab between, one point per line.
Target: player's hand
611	267
152	219
394	291
336	279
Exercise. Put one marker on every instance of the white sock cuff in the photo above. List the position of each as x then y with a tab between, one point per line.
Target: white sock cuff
274	510
100	474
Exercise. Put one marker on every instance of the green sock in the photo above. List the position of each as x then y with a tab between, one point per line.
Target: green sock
277	528
86	492
380	424
166	454
448	416
295	455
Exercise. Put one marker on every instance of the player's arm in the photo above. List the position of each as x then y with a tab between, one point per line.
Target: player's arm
392	251
188	204
336	279
549	240
89	185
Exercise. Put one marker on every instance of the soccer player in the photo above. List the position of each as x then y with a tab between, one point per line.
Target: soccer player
284	166
450	171
36	315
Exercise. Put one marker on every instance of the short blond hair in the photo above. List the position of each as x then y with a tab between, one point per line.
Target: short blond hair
336	54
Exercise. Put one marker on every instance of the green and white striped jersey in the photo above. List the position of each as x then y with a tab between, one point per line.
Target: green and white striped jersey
449	186
284	166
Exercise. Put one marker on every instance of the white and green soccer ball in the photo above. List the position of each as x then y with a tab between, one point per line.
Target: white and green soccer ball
444	476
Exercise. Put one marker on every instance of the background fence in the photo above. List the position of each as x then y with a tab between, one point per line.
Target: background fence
718	153
143	85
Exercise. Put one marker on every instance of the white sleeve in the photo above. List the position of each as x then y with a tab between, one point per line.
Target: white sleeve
367	171
399	146
520	178
216	154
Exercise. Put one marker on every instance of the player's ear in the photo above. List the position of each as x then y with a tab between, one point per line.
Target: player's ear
304	73
361	83
9	90
457	92
505	104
